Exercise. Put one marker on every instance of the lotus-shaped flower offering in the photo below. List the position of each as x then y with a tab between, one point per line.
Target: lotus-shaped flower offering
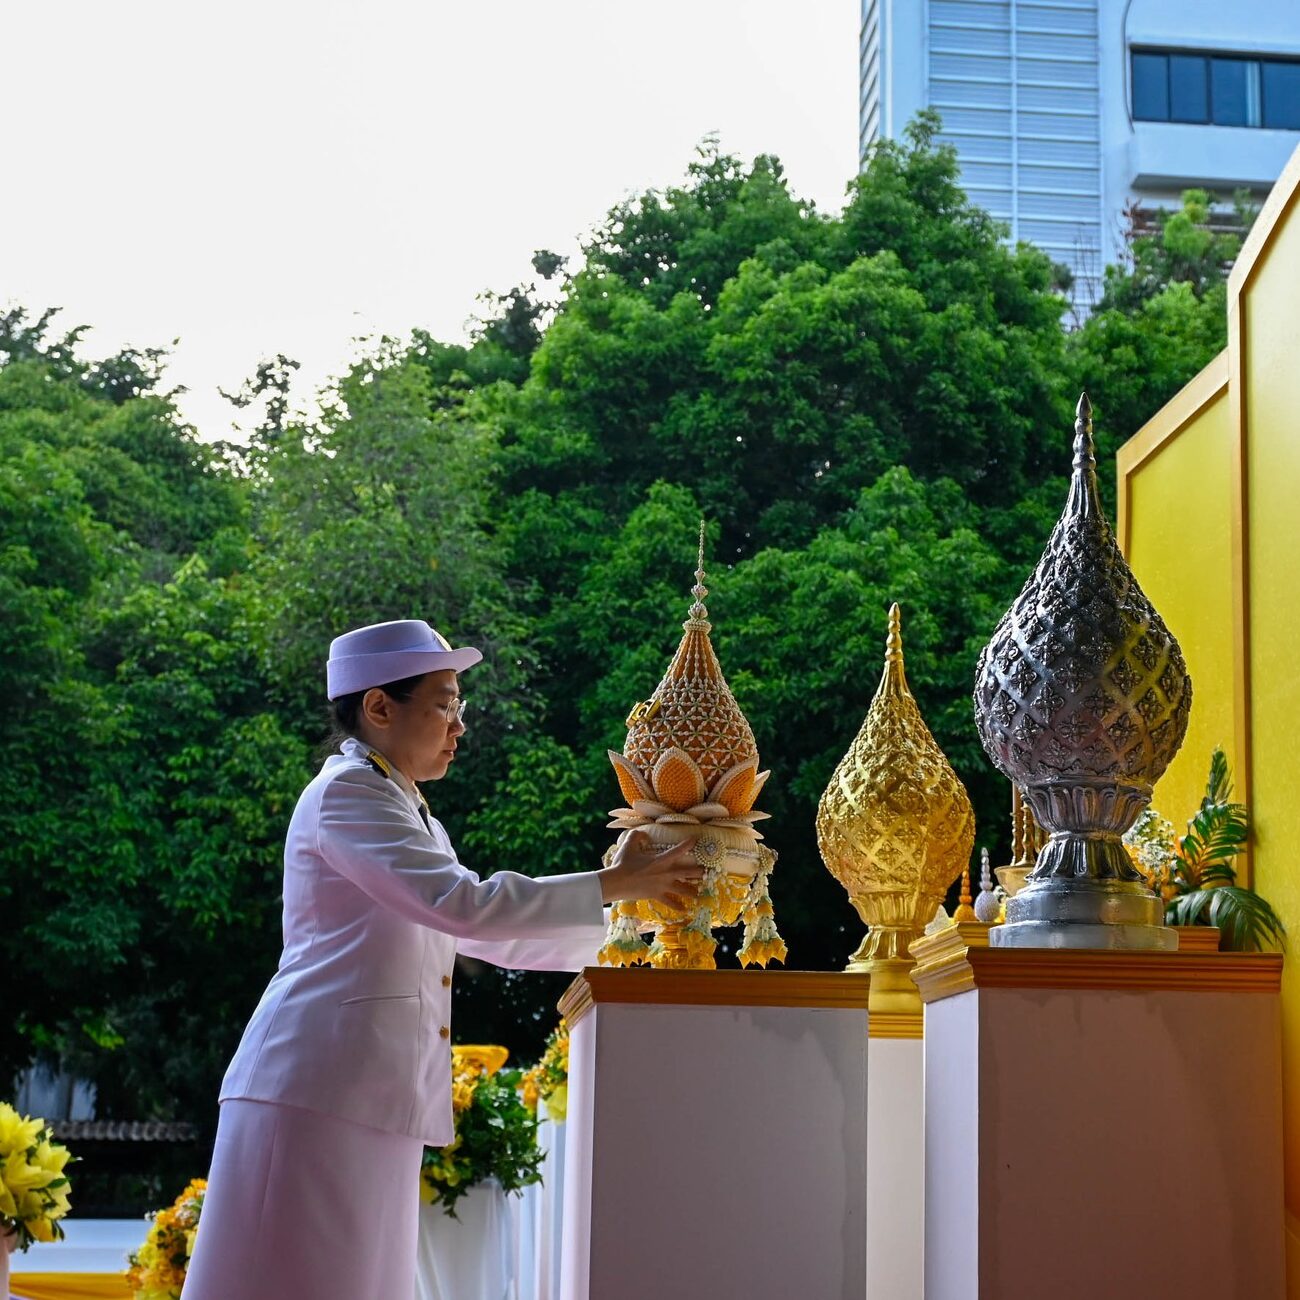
1081	699
895	827
689	770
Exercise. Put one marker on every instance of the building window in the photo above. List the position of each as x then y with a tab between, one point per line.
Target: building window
1189	99
1234	92
1150	86
1281	95
1223	89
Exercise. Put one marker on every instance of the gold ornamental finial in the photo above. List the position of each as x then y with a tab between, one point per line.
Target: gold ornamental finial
894	827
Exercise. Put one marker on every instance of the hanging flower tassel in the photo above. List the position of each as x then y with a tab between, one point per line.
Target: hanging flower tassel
762	942
698	933
623	945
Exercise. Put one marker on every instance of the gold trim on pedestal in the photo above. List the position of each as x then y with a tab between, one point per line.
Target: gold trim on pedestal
1198	938
945	966
717	988
896	1024
974	934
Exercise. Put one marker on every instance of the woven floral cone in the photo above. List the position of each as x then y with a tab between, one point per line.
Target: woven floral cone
689	771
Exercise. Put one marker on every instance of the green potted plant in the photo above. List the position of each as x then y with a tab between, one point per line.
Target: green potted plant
1195	875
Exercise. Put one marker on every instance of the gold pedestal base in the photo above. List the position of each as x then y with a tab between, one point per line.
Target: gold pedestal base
673	952
892	989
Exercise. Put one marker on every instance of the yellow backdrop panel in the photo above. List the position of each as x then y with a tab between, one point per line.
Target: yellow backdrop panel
1271	370
1180	547
1239	619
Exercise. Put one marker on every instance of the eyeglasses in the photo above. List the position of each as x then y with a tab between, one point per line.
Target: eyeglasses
455	710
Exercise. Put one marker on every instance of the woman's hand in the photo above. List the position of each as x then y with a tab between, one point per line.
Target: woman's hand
638	870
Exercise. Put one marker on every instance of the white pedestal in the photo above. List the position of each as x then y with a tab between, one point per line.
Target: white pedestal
550	1211
1102	1124
468	1257
896	1159
717	1136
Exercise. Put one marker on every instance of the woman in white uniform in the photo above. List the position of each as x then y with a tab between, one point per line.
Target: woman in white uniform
344	1072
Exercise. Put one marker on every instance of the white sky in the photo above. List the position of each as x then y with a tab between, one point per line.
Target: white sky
259	176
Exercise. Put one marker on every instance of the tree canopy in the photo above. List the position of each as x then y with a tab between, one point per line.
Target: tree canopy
865	407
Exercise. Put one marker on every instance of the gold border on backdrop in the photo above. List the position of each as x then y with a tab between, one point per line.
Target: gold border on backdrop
1252	257
958	971
716	988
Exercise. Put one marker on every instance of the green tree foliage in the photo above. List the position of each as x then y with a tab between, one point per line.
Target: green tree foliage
1162	316
867	407
142	778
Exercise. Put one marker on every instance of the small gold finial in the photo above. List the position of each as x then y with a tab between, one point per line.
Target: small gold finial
893	681
965	912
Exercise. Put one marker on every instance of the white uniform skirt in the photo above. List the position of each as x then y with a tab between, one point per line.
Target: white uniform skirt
302	1206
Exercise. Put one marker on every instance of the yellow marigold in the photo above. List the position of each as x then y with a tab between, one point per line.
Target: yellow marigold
157	1270
530	1089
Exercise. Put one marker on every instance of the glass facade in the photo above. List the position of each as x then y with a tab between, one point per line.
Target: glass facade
1222	89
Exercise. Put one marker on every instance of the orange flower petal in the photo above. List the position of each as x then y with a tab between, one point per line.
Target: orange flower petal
735	789
630	780
677	780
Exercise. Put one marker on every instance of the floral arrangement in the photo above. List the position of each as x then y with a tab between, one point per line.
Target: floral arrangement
673	797
496	1134
158	1268
33	1187
1194	875
548	1080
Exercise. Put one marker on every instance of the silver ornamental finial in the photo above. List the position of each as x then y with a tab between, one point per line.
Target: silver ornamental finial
1082	699
987	905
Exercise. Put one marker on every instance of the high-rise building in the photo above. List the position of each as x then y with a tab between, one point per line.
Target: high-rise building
1065	113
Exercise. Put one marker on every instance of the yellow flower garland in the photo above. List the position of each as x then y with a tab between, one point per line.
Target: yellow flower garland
548	1080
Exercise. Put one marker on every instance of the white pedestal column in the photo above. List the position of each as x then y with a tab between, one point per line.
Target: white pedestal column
1102	1124
896	1158
717	1136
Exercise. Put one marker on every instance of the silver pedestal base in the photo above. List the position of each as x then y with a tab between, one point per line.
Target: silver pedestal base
1060	913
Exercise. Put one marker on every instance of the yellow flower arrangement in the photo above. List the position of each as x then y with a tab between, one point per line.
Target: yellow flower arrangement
548	1080
496	1137
33	1187
158	1268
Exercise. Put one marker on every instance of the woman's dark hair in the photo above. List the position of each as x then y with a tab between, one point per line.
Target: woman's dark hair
345	712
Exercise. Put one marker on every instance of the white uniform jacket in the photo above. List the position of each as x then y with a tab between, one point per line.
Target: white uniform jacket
356	1022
